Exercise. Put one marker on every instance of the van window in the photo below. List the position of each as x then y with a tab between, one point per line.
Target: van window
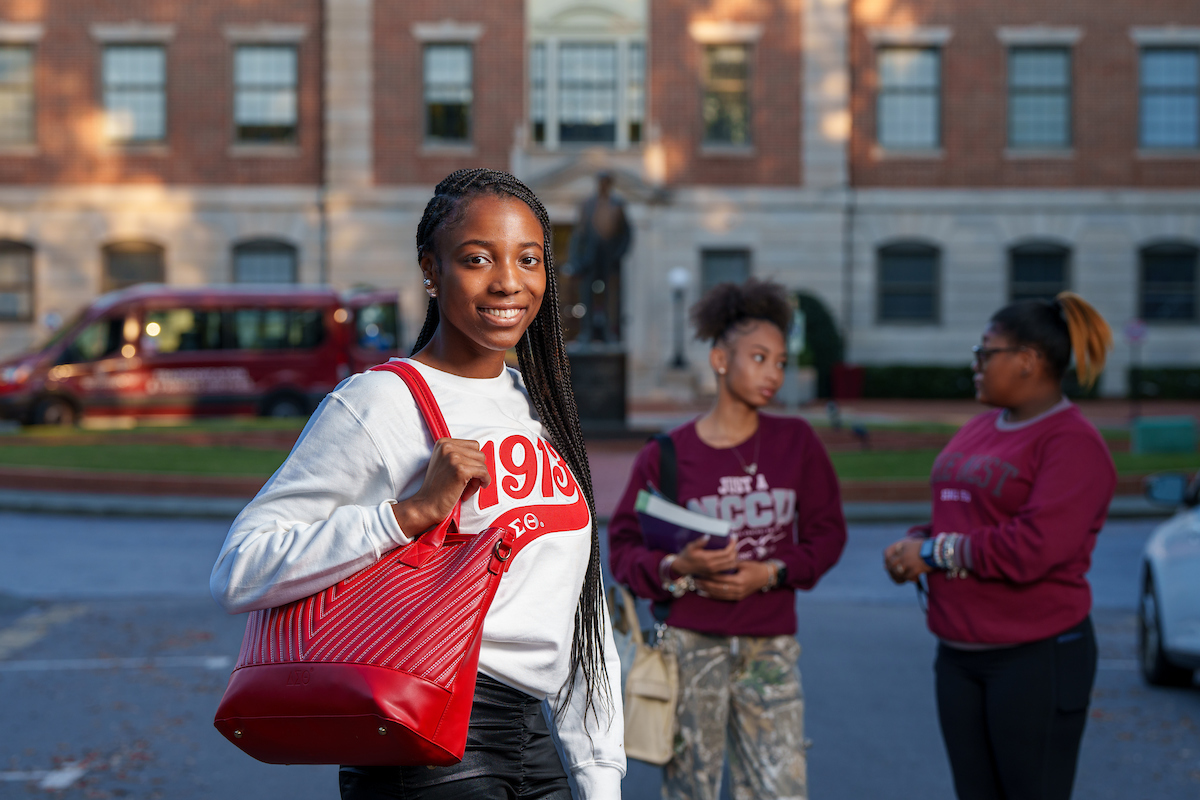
98	340
375	326
278	328
178	330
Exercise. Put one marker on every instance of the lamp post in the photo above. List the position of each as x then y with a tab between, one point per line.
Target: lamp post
678	278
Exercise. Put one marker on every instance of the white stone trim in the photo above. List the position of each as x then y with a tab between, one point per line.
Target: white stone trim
826	93
129	32
447	30
21	32
1145	36
349	93
266	33
725	32
1038	35
927	36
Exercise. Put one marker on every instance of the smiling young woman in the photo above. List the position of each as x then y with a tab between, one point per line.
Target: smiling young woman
365	478
1019	495
732	621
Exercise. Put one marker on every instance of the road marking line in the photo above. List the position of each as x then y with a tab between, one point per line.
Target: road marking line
161	662
32	627
60	778
1118	664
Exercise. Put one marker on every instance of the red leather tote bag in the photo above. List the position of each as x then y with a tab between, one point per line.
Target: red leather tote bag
378	670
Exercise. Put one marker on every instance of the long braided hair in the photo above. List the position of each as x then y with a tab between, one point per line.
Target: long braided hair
542	359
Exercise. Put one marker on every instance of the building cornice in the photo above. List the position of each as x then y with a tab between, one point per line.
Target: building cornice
21	32
725	32
447	30
1165	35
1038	35
266	33
131	32
927	36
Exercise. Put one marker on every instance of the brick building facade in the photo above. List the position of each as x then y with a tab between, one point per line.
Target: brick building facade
913	164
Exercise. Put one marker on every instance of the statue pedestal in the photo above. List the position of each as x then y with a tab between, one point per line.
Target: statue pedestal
598	380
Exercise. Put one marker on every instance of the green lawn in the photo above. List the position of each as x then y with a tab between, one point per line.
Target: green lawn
146	458
909	464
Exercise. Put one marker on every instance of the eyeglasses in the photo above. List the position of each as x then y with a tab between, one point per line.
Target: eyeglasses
981	355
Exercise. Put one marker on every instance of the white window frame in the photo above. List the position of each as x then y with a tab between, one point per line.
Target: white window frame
552	45
137	42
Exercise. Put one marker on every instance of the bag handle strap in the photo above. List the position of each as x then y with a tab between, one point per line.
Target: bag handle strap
631	615
415	554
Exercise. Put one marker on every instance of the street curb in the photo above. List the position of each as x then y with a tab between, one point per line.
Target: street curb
89	504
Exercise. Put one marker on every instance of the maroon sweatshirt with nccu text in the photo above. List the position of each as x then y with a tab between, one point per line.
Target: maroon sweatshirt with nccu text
788	508
1030	497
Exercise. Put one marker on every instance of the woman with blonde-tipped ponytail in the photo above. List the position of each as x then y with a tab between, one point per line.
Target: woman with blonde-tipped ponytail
1019	495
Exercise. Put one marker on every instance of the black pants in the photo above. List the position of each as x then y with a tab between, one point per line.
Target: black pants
1013	718
509	755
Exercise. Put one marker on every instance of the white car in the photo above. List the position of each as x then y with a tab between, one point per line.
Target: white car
1169	606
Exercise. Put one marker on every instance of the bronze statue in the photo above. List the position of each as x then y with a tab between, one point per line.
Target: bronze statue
600	240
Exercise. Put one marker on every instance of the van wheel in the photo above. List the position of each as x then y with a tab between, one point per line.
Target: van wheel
54	411
285	405
1156	669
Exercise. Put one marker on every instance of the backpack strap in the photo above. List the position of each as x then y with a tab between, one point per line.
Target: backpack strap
668	484
447	532
668	467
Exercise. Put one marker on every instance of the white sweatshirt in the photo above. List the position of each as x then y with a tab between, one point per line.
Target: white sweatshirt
326	514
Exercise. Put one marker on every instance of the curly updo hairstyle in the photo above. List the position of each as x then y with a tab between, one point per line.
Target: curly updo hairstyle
1057	327
730	308
542	359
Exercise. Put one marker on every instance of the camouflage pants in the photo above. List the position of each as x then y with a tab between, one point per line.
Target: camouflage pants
744	691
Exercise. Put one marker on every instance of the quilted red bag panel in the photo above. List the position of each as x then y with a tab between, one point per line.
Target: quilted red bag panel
380	668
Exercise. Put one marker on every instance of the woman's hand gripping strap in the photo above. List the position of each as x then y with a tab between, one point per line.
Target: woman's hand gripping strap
447	532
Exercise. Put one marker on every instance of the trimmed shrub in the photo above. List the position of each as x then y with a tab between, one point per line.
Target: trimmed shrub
1167	383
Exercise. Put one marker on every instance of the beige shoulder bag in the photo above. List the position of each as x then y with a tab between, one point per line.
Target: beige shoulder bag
651	686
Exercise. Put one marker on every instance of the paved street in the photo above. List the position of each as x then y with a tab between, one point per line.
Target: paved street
112	658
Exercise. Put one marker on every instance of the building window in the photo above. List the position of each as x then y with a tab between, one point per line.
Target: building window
1039	97
264	262
129	263
16	95
448	92
727	94
723	266
16	282
1170	108
1037	271
909	112
264	104
908	283
635	91
135	93
537	92
587	93
1168	282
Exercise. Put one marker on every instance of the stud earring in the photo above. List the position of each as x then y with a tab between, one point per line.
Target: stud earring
721	371
427	283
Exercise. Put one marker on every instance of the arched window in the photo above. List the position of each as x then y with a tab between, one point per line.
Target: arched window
264	261
1037	271
1167	282
16	282
129	263
909	274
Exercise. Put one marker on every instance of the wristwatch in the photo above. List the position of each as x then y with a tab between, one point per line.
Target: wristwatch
927	547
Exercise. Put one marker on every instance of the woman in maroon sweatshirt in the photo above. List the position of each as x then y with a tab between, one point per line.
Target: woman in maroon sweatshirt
1019	495
732	621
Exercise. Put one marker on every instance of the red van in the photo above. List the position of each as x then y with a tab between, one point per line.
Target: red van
153	350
